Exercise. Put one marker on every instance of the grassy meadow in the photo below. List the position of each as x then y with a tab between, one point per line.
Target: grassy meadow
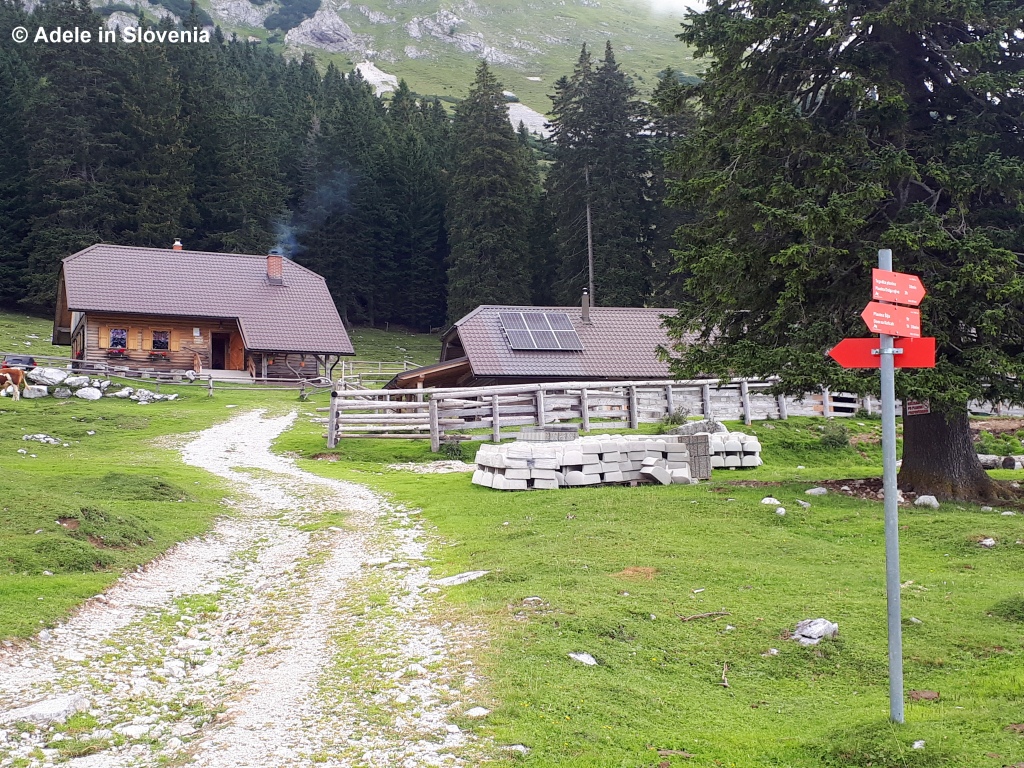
610	571
613	571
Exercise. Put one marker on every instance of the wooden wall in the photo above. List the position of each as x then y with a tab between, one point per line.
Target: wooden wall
184	342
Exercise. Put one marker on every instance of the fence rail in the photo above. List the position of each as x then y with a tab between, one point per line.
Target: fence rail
445	413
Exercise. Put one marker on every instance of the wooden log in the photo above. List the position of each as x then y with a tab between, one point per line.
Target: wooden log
745	400
826	402
669	402
435	428
332	423
381	437
705	396
495	420
633	421
540	407
585	409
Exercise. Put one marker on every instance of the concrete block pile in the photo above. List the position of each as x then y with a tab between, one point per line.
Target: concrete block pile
735	450
591	460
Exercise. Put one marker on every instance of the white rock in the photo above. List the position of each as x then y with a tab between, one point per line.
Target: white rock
919	744
48	377
780	511
819	491
1008	513
986	509
584	658
461	578
477	712
811	631
770	500
804	504
49	711
33	391
926	501
88	393
987	543
76	381
133	731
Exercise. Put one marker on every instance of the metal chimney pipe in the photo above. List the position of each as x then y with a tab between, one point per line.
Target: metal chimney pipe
586	306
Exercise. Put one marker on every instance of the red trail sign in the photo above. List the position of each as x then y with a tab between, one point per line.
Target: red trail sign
896	287
893	320
863	353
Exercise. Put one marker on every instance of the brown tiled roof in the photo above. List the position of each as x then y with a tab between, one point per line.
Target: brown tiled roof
619	343
298	316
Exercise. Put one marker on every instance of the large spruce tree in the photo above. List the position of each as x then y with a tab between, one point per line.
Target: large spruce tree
828	131
601	158
489	205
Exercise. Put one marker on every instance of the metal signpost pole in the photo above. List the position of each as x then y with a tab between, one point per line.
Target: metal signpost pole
892	544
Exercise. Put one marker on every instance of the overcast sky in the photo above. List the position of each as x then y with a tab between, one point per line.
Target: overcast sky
673	7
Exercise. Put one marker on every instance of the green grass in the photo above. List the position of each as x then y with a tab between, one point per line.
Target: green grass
395	345
715	547
108	501
28	335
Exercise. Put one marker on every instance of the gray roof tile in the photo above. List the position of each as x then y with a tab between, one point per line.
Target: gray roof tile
619	342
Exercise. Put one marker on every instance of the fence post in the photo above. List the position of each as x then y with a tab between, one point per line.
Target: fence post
435	432
495	420
669	402
705	396
634	417
826	403
745	398
783	412
585	409
866	404
209	385
540	408
419	395
332	421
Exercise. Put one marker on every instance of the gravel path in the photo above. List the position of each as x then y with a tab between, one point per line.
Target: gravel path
297	632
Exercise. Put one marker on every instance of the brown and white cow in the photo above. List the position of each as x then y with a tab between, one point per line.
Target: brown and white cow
14	379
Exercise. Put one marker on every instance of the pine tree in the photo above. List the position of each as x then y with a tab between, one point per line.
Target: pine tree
601	159
488	205
828	131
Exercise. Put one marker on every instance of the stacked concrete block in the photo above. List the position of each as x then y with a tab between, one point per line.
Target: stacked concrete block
735	450
591	460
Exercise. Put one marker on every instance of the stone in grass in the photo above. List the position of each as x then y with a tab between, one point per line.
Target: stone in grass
55	710
460	578
780	511
477	712
987	543
88	393
804	504
584	658
62	393
811	631
926	501
33	391
819	491
770	500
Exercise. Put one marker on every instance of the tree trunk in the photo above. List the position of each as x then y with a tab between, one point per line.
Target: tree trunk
939	459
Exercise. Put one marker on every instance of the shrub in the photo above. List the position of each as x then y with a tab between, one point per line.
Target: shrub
834	436
452	450
999	445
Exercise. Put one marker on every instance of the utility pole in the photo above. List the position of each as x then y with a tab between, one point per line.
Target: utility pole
590	242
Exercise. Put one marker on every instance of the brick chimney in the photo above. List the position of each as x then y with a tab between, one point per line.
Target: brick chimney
586	307
177	244
275	267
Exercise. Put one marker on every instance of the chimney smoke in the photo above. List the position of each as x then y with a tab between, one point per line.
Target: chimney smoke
586	307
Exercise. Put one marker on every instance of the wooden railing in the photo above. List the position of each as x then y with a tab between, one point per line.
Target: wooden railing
445	413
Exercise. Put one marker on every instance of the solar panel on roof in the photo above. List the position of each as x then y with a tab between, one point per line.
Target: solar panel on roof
512	320
540	330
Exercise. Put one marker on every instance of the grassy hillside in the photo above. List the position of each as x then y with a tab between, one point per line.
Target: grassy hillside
613	571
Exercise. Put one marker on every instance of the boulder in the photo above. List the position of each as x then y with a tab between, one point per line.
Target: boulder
811	631
48	377
695	427
88	393
771	500
122	393
49	711
76	381
33	391
62	392
926	501
816	491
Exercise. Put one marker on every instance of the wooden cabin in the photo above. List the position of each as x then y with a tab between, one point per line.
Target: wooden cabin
233	316
525	345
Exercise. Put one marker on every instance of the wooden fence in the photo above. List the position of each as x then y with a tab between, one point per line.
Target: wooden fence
447	412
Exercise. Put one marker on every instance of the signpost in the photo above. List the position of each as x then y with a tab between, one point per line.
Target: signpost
896	321
888	352
865	353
